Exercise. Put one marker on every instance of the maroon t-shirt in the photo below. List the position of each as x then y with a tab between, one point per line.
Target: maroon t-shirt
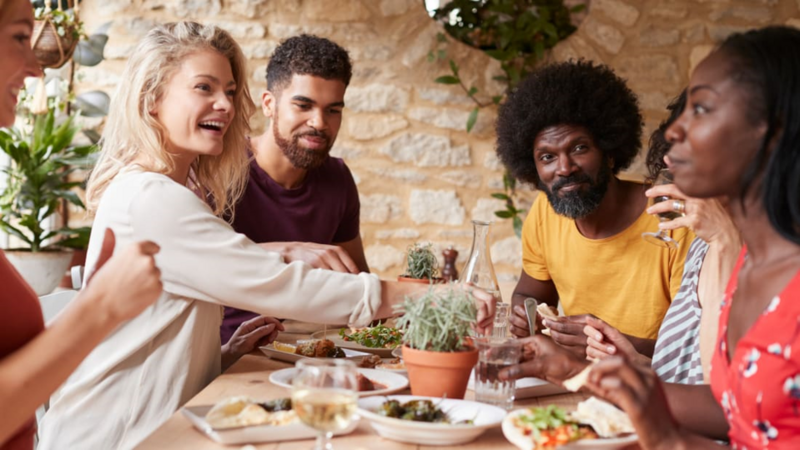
323	210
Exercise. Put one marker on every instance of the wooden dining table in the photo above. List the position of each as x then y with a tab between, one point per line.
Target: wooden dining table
250	377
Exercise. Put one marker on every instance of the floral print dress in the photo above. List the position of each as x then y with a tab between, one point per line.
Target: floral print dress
759	388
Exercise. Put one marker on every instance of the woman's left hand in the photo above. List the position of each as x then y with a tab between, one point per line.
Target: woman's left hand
707	218
638	391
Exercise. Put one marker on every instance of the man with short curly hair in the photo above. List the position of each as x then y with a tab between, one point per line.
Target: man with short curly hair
299	200
569	129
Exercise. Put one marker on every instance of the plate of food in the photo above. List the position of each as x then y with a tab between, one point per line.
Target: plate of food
393	365
429	420
240	420
594	425
370	381
311	348
379	340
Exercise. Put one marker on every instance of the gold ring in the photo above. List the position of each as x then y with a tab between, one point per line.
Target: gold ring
679	206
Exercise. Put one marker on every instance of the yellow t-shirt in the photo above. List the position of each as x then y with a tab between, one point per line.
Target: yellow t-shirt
622	279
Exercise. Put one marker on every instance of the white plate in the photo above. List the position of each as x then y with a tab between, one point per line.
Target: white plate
515	436
254	434
293	357
393	382
333	335
484	416
528	387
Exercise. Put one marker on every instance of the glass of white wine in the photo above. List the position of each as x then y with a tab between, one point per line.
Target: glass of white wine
324	396
661	238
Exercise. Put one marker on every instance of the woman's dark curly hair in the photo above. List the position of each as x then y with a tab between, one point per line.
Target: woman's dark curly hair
308	55
659	146
570	93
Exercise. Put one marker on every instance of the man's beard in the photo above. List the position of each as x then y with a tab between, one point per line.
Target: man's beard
299	156
578	204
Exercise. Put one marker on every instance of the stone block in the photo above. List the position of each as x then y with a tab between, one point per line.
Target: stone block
649	69
380	208
426	150
697	54
136	27
507	251
258	9
694	34
671	11
462	178
196	8
654	101
396	7
606	36
456	234
492	162
261	49
617	10
365	127
417	50
118	51
96	76
563	51
444	96
435	206
335	10
719	33
495	183
376	98
242	30
371	52
112	7
397	233
759	15
584	49
794	22
408	176
485	208
347	150
453	119
658	37
383	257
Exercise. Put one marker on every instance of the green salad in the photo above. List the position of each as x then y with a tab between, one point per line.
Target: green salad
374	337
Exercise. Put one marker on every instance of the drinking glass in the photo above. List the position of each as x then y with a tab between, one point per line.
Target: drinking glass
494	355
500	325
324	396
661	238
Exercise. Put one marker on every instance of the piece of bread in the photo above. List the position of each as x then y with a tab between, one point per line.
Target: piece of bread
575	383
546	311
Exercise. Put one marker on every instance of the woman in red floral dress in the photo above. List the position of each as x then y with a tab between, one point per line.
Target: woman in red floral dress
739	136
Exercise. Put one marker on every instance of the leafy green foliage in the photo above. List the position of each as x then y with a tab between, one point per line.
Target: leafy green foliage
517	33
37	182
438	321
421	262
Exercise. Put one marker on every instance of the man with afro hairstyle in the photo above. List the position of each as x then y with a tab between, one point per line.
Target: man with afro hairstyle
299	200
568	129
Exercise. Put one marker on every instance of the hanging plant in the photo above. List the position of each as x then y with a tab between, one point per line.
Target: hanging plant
55	35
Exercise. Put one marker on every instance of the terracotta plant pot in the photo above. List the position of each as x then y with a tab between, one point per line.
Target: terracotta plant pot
421	280
439	374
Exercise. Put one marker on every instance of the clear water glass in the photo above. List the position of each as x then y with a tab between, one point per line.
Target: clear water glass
500	325
494	355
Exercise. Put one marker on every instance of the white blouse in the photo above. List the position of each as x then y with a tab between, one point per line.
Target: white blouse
150	366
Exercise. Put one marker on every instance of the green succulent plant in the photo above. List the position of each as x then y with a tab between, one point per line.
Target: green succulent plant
37	181
438	320
421	263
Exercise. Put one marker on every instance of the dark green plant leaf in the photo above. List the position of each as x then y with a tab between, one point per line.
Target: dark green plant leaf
501	196
447	79
473	117
518	226
497	99
503	214
454	67
472	91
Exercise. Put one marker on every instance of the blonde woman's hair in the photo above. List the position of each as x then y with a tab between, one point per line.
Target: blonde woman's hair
131	131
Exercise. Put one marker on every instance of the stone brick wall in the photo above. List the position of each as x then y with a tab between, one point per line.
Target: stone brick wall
421	177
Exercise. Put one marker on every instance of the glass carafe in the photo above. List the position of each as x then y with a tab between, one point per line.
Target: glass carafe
479	269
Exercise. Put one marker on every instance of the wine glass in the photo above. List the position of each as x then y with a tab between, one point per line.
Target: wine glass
661	238
324	396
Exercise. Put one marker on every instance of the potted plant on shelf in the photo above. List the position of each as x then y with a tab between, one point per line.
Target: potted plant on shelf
37	182
421	265
437	350
56	33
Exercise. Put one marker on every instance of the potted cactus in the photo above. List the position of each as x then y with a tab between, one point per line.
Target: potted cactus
421	265
437	349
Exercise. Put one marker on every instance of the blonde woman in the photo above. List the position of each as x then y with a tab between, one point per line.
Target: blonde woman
176	128
34	361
